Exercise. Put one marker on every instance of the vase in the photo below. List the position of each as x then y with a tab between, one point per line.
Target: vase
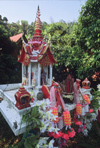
39	96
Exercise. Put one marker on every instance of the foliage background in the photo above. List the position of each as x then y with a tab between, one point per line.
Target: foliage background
76	44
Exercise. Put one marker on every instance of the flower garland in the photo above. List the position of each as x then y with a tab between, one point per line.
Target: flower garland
60	127
49	124
88	115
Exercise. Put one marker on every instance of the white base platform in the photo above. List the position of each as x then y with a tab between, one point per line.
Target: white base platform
5	87
12	114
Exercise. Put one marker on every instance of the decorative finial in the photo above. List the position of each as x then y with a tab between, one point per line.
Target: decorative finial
38	12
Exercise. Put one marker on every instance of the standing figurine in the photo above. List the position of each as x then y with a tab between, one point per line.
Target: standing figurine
43	76
76	91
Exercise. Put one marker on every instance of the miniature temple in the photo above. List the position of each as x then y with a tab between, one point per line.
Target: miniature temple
37	59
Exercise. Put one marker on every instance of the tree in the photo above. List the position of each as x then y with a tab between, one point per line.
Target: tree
83	41
24	26
61	42
88	39
14	29
44	26
89	23
6	45
30	30
10	70
5	20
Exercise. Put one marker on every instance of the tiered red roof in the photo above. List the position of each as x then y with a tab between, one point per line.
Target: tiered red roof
46	56
37	49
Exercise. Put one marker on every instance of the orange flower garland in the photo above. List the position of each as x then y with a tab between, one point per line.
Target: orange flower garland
67	118
86	98
78	109
55	112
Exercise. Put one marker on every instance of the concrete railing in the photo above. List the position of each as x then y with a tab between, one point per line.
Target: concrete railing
10	86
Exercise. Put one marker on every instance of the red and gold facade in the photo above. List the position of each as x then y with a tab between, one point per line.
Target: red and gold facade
45	55
37	55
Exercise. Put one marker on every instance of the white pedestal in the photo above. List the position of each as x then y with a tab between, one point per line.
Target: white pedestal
11	113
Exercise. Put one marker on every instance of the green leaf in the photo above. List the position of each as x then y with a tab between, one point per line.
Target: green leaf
37	121
35	112
27	144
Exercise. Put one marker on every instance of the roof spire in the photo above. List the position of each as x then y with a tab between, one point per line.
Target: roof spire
38	12
38	27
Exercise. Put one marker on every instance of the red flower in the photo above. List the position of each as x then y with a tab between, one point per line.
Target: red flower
65	136
77	122
71	133
57	135
32	99
84	126
51	134
90	110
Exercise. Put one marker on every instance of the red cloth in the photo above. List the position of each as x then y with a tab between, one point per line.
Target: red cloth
46	92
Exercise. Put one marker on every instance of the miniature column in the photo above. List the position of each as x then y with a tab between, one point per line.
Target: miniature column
39	74
47	75
29	74
22	72
50	74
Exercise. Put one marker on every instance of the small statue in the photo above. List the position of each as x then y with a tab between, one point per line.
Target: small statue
76	91
43	76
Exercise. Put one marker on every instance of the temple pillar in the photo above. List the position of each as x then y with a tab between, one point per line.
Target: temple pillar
39	74
29	74
50	74
47	75
22	71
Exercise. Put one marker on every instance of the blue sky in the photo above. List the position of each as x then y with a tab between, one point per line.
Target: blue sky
51	10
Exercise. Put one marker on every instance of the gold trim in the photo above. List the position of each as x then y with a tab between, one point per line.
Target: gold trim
26	95
46	48
43	52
